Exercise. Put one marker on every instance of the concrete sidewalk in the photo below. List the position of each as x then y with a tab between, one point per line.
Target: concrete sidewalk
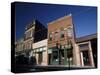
44	68
72	66
59	67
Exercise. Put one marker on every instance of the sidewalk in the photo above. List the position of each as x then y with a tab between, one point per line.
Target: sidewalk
44	68
59	67
72	66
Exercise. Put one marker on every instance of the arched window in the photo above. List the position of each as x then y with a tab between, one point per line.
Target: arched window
56	36
50	37
62	34
69	32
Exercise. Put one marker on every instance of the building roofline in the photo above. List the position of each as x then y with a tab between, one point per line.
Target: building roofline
59	19
30	24
86	38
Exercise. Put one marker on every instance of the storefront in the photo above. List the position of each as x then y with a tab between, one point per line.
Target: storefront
88	50
60	56
86	54
40	52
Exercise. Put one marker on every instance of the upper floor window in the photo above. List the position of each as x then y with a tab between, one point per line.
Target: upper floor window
29	34
56	36
50	37
69	32
62	34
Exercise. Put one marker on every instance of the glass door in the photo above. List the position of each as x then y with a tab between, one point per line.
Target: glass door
85	58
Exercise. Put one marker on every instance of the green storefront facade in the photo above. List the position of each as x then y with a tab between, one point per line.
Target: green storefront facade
60	56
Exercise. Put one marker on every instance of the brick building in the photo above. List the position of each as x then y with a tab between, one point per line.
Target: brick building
58	45
34	32
88	50
62	48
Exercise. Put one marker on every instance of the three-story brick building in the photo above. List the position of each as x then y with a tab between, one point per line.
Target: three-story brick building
34	32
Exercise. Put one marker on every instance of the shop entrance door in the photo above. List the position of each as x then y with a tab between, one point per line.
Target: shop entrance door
85	58
40	57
